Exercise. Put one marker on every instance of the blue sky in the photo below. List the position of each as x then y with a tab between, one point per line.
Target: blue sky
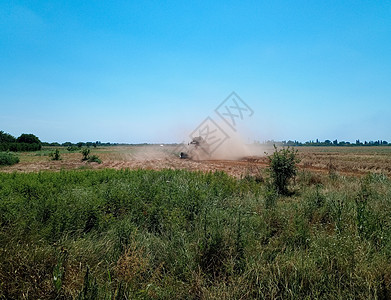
150	71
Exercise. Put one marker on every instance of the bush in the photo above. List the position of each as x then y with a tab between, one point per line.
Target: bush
55	155
86	154
94	158
8	159
282	167
72	148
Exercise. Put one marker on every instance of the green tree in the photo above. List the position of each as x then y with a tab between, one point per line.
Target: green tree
6	138
28	139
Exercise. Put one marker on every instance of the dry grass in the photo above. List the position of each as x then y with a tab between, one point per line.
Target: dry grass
344	160
348	160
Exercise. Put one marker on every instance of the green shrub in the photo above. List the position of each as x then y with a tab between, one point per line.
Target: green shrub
8	159
72	148
94	158
86	153
55	155
86	156
282	167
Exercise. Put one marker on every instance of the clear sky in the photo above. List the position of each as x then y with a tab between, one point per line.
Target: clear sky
151	71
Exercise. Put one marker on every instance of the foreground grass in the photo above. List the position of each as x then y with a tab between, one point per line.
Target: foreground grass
176	234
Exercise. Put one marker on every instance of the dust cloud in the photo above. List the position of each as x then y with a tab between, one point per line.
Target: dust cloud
236	148
233	148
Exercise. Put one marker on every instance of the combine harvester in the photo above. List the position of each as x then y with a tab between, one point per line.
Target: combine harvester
198	149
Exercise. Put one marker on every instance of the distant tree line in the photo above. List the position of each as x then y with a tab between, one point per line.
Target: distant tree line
25	142
78	144
326	143
93	144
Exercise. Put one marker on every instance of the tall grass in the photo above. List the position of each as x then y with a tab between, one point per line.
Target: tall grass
176	234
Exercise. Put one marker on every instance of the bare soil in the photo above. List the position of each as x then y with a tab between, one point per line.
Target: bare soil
344	160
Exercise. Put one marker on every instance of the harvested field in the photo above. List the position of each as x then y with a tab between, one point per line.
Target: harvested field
344	160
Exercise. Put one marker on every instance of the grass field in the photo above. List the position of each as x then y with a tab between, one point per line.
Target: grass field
164	232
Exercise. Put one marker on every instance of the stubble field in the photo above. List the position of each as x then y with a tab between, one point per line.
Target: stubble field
345	160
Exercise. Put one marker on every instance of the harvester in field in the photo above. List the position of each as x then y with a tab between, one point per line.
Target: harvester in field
197	149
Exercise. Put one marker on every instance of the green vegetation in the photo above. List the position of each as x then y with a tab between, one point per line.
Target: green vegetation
94	158
86	153
55	155
25	142
86	156
28	139
175	234
6	138
326	143
8	159
282	168
72	148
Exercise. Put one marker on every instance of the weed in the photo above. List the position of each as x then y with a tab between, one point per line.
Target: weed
174	234
337	205
239	246
90	288
361	209
271	196
307	178
332	170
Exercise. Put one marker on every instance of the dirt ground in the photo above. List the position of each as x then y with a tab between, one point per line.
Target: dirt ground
344	160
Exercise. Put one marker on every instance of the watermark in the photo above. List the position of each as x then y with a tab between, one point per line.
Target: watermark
233	110
180	148
209	136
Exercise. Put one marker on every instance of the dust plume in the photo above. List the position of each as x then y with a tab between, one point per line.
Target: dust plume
232	149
